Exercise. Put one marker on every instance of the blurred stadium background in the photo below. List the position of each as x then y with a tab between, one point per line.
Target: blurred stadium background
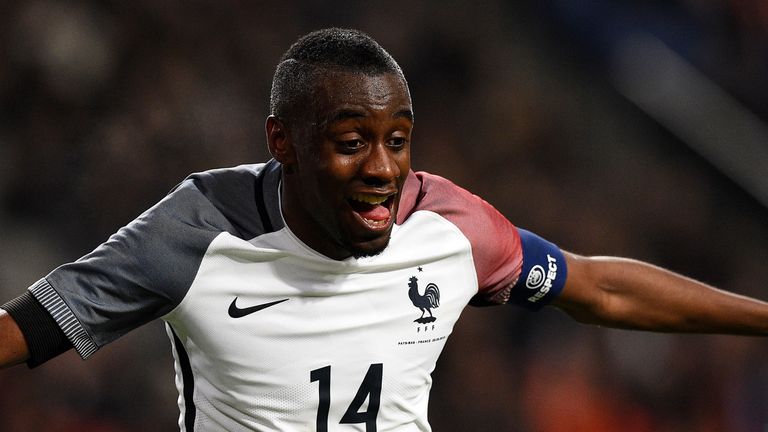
633	128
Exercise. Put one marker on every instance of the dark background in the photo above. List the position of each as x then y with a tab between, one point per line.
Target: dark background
105	106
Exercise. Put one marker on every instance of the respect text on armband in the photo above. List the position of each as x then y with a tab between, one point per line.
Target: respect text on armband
541	280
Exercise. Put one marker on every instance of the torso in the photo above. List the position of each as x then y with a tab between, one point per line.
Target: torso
340	321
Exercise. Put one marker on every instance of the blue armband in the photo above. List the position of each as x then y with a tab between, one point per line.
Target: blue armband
543	275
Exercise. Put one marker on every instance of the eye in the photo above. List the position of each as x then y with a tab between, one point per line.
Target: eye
398	142
351	145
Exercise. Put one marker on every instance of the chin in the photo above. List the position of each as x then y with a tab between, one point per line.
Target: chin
369	249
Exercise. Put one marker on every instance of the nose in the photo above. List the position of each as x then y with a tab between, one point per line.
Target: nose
380	166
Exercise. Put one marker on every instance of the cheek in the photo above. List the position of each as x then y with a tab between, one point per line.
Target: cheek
404	163
329	180
337	169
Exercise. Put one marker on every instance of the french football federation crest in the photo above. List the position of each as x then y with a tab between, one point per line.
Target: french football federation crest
425	302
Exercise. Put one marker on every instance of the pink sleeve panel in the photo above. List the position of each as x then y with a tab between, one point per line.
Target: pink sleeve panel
496	247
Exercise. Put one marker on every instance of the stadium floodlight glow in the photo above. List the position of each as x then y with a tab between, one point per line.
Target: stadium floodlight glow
695	109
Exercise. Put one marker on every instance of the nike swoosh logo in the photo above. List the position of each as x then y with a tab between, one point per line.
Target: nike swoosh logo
236	312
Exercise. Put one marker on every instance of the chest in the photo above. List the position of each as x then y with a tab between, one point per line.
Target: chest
275	309
277	327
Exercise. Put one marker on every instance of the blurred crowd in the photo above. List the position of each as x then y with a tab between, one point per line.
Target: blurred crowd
105	106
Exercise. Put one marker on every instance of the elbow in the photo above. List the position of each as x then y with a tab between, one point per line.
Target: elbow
589	296
576	300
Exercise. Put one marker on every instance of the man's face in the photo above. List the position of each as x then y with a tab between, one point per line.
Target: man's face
351	160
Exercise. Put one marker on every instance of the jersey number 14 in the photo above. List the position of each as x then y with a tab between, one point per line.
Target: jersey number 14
370	389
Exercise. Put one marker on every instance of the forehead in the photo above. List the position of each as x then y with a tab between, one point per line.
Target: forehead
338	90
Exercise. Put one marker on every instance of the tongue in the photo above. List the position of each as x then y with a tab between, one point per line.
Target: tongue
374	212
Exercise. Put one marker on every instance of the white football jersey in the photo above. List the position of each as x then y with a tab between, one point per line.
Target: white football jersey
269	335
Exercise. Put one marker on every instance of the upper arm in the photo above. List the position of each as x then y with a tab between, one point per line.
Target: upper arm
140	273
13	346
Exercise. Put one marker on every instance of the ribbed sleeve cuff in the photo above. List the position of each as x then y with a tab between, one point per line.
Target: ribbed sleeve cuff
44	338
64	318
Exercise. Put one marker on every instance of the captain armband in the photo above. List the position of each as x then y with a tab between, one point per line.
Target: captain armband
543	275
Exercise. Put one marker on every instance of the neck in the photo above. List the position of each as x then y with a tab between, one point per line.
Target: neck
305	226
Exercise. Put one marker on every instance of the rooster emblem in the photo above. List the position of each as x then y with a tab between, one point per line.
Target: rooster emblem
430	299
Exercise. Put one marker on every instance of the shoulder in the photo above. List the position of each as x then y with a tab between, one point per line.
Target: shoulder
223	180
495	241
430	192
426	191
246	196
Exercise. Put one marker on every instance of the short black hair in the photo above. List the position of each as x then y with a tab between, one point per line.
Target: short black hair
317	53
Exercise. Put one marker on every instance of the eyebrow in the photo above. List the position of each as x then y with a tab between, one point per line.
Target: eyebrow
404	113
344	114
351	113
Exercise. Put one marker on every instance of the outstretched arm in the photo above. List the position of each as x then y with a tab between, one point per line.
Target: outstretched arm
13	347
625	293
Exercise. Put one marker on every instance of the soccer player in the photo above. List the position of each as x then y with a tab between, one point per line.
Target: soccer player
316	291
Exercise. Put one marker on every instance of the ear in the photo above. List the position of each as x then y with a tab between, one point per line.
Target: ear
279	142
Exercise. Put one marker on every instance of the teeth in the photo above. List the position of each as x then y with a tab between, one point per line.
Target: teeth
377	224
369	199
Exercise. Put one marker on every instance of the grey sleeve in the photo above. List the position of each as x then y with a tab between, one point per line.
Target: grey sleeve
141	273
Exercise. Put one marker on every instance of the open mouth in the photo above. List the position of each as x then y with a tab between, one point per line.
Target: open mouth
374	210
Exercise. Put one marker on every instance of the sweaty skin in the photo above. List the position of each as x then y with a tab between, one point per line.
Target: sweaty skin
345	168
